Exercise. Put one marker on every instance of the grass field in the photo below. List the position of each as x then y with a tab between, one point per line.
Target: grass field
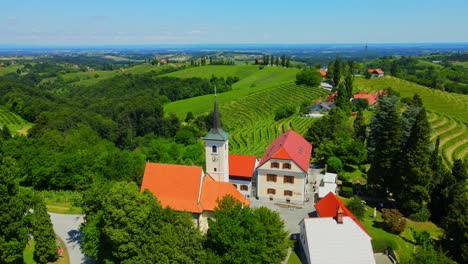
256	81
9	69
448	113
241	71
14	122
89	78
462	63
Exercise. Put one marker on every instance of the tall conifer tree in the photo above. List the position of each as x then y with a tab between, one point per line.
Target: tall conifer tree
45	249
360	127
417	175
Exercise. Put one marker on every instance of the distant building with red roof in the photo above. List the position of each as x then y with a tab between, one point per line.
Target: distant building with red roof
323	73
241	172
371	98
376	72
283	169
187	188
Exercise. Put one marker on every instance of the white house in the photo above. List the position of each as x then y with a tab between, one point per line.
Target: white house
241	172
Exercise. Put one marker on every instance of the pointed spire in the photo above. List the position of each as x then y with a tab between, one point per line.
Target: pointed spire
216	120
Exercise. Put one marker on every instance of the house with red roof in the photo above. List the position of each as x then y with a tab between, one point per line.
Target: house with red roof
241	172
376	72
335	236
371	98
323	73
187	189
283	169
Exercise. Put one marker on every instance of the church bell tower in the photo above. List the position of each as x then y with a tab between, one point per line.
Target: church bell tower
217	149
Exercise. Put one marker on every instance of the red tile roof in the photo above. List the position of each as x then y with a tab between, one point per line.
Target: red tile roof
289	146
242	165
178	187
331	97
212	191
322	72
328	207
371	98
376	70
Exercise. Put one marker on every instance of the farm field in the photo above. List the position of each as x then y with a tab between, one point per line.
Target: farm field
14	122
257	81
448	113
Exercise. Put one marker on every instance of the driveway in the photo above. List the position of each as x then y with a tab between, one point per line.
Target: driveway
67	227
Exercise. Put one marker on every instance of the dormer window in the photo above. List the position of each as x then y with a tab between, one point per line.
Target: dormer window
214	149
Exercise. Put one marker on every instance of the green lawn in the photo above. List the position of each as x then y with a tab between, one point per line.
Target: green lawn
462	63
403	244
61	202
294	258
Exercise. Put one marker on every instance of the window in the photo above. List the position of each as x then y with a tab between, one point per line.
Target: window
274	165
288	193
271	191
271	178
288	179
215	169
214	149
235	185
286	166
244	188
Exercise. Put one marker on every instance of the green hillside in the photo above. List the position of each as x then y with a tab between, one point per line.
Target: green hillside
90	78
256	81
448	113
240	71
15	123
250	120
9	69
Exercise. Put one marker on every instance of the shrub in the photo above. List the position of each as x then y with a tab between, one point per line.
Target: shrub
309	77
346	192
284	112
334	164
356	207
422	216
394	220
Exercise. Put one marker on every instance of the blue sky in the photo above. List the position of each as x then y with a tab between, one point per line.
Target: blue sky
99	22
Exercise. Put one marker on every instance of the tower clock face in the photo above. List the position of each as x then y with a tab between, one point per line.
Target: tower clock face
214	158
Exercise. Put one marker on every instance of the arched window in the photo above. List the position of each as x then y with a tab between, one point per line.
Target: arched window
214	149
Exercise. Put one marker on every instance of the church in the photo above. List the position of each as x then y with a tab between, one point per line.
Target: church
281	175
190	189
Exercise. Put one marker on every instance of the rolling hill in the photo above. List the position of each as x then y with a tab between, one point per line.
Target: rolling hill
448	113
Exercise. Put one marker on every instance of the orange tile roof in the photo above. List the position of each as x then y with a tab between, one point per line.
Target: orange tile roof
175	186
178	187
242	165
290	146
376	70
328	207
322	72
212	191
371	98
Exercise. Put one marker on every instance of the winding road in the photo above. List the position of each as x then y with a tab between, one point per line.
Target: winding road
67	227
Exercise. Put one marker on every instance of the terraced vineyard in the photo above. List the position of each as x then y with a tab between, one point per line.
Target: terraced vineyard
448	113
14	122
453	135
250	120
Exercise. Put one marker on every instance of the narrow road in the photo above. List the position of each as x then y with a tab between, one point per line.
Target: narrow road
67	227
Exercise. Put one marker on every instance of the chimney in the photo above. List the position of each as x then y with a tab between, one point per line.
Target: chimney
339	215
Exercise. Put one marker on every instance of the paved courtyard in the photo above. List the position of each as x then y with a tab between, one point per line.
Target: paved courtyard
291	215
